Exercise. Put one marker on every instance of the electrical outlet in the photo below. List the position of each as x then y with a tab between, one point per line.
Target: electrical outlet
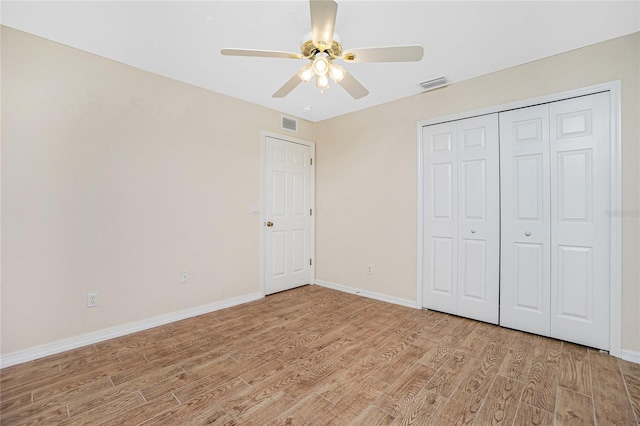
184	278
370	269
92	300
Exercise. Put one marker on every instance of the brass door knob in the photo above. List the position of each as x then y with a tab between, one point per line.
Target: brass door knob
269	224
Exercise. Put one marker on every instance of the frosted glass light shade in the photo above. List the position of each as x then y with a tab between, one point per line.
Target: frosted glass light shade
336	72
320	65
322	82
306	73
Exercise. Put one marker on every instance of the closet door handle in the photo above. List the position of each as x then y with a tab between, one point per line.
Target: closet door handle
473	230
527	233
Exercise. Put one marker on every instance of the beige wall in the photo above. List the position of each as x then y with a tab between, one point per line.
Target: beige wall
115	180
366	190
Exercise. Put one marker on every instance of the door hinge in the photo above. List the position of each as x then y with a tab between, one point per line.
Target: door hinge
311	161
310	263
310	212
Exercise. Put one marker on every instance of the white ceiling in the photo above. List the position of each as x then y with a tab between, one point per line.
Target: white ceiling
461	40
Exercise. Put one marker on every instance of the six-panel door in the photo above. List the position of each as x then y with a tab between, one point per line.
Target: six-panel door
287	214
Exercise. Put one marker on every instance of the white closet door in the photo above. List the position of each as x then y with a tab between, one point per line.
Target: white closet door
525	215
579	224
440	217
462	219
478	218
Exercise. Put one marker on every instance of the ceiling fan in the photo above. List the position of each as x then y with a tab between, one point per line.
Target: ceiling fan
322	46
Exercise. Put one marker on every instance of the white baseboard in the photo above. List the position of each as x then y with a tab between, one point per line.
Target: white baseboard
122	330
629	355
369	294
30	354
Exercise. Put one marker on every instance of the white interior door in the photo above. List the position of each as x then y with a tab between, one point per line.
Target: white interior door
462	219
440	263
288	215
579	148
478	218
525	207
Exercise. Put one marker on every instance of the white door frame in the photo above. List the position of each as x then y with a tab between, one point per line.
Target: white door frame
615	201
312	232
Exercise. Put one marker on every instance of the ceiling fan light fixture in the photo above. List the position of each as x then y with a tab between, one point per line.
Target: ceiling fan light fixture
336	72
320	65
322	46
306	73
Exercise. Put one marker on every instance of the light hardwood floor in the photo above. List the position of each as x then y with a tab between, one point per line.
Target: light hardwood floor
317	356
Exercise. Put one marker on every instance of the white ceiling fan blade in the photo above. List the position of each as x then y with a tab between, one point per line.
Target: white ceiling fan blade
384	54
353	86
287	87
323	22
261	53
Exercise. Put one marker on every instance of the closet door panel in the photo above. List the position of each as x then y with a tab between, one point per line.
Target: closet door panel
529	277
528	188
440	211
478	218
525	220
442	267
579	148
574	291
473	271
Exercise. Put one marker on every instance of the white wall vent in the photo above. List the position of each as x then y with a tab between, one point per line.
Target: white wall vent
435	83
290	124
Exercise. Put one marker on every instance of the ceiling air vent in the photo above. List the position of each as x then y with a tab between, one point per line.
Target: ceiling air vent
290	124
435	83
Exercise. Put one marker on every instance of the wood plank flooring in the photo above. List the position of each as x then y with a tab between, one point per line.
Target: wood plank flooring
314	356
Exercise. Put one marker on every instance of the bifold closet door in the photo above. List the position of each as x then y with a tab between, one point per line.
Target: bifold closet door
580	233
525	216
462	220
478	218
440	263
554	165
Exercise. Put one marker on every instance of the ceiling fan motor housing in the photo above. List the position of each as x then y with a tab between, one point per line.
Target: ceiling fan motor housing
309	50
